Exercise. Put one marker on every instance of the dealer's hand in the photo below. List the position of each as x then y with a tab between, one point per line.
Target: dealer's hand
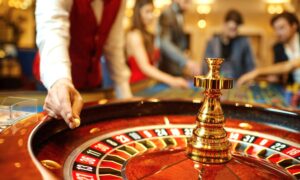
64	102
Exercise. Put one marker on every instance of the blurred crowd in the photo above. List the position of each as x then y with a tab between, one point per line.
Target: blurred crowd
236	50
175	68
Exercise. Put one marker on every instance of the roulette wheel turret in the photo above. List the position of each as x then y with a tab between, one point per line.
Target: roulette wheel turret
209	143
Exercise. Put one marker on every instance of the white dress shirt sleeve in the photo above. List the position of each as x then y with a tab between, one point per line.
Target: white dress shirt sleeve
114	53
53	39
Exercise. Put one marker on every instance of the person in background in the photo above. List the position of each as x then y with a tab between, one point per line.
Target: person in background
71	37
173	41
141	52
235	49
286	50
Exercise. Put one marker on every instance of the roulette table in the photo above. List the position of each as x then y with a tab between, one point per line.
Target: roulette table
146	139
271	94
158	139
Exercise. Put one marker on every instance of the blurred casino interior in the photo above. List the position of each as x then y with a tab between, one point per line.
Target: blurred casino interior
203	127
18	48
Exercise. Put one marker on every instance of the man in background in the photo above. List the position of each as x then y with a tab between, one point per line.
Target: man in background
173	41
235	49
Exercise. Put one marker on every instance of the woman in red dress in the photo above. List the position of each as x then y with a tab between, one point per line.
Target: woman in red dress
142	55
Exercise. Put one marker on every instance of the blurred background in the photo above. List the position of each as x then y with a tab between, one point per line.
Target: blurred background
17	31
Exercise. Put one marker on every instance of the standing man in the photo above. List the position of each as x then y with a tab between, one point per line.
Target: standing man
71	36
173	41
235	49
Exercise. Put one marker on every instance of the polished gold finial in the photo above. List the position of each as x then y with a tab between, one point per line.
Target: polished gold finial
209	143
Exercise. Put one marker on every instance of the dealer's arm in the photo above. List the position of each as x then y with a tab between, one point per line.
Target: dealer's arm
52	20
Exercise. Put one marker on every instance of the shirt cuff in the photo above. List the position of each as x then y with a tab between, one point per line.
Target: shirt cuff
55	72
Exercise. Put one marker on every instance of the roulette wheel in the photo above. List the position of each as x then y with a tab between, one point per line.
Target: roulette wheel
157	139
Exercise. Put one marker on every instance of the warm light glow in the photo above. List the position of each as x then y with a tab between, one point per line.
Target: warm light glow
17	164
161	3
94	130
129	12
126	23
196	100
249	105
157	3
167	121
20	142
203	9
277	1
275	9
201	23
11	3
153	100
156	12
2	54
277	6
130	4
203	1
20	4
103	101
245	125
